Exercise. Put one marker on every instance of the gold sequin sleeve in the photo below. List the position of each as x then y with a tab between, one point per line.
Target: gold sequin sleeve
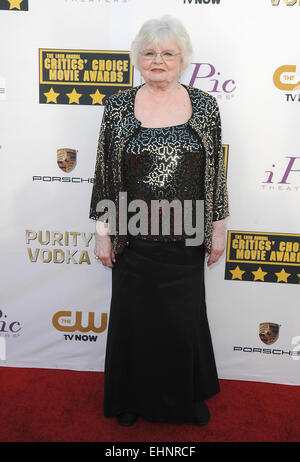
220	198
101	176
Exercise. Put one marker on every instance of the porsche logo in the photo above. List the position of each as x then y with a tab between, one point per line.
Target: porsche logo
268	332
66	159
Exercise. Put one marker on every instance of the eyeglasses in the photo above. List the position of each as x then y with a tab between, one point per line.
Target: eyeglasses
149	55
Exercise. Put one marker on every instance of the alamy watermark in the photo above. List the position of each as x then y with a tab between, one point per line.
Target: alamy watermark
138	223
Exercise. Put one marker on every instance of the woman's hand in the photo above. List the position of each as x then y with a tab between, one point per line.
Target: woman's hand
218	242
102	249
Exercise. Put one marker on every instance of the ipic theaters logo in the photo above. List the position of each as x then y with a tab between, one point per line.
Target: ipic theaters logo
82	77
212	81
263	257
287	79
268	333
15	5
284	175
58	247
285	2
80	326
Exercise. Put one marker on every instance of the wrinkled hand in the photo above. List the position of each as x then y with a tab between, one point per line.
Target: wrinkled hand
218	242
103	249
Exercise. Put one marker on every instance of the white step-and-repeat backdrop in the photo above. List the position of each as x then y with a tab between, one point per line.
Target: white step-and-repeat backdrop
59	60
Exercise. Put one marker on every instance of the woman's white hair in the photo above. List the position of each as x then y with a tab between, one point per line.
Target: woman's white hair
156	31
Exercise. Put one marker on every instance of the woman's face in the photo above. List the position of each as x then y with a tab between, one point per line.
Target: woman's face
157	68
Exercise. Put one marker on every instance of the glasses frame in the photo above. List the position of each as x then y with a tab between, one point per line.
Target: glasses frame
156	54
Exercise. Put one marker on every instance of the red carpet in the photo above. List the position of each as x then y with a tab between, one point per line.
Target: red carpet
44	405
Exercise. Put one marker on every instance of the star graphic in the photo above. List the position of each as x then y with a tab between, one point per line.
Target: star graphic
259	274
74	97
237	273
15	4
97	97
282	276
51	96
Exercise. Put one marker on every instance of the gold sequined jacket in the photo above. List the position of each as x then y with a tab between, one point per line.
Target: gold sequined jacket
119	125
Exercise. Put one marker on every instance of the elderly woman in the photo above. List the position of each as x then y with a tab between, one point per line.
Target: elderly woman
160	140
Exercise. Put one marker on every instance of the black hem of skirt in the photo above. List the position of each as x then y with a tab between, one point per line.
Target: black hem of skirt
159	352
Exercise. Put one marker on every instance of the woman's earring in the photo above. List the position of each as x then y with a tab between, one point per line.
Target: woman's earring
141	79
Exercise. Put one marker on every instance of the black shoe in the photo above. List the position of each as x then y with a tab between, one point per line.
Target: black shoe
202	415
126	418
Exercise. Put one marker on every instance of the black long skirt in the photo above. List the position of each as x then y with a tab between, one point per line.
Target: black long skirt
159	354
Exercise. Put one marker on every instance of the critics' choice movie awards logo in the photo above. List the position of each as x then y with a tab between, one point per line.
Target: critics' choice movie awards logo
286	78
69	247
80	326
263	257
16	5
82	77
268	333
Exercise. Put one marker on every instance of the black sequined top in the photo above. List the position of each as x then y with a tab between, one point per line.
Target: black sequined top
164	163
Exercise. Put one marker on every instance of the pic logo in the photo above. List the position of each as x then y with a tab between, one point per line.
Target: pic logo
212	79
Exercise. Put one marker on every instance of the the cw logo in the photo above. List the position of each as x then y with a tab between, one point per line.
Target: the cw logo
287	2
77	326
284	78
